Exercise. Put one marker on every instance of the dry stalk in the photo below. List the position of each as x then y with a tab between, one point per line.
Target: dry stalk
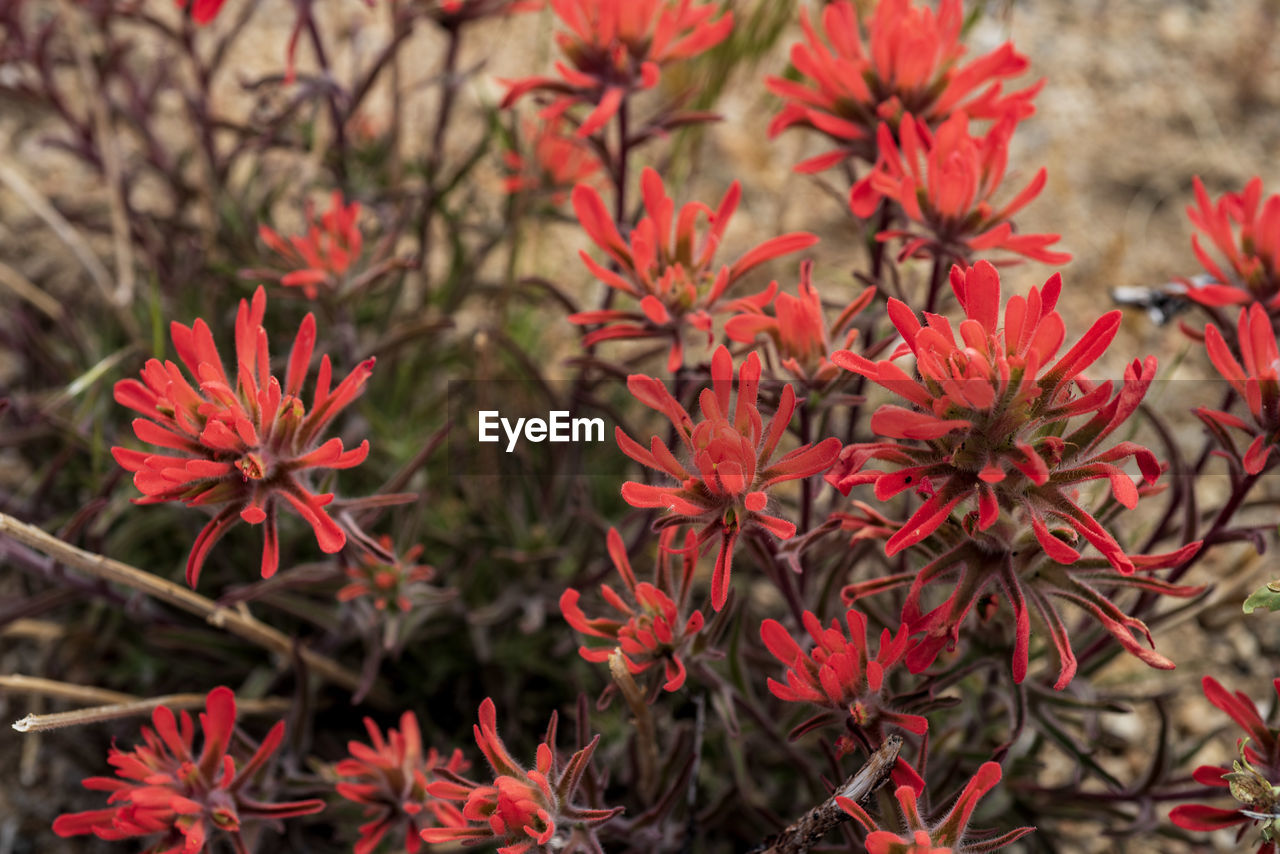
237	621
800	836
112	711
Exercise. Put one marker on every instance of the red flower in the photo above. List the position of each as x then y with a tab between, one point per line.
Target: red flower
616	47
521	808
908	62
1257	383
944	181
164	788
245	445
651	632
1246	231
1252	780
554	164
945	837
390	779
838	672
992	422
389	586
324	254
731	465
664	267
798	328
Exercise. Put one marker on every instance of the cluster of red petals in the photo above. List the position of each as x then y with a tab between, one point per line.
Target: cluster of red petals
246	444
945	837
554	164
664	267
981	409
389	586
992	420
838	672
1260	749
520	808
653	630
908	62
1257	382
324	253
163	787
944	181
615	47
723	488
389	777
1245	230
797	326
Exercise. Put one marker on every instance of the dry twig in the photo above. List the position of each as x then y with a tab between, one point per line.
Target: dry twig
237	621
800	836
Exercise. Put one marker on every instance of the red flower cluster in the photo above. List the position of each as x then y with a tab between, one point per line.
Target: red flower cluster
390	779
554	164
1257	383
164	788
731	467
944	181
838	672
664	266
1246	231
247	444
1253	780
992	422
797	328
389	586
985	417
909	62
945	837
521	808
616	47
654	630
324	254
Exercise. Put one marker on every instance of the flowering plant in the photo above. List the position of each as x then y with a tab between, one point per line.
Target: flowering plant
163	787
247	445
724	490
522	807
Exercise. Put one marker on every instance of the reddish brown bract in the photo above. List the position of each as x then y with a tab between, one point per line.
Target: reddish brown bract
247	444
163	787
724	489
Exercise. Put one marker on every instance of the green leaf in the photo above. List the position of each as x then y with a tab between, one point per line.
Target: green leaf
1267	596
